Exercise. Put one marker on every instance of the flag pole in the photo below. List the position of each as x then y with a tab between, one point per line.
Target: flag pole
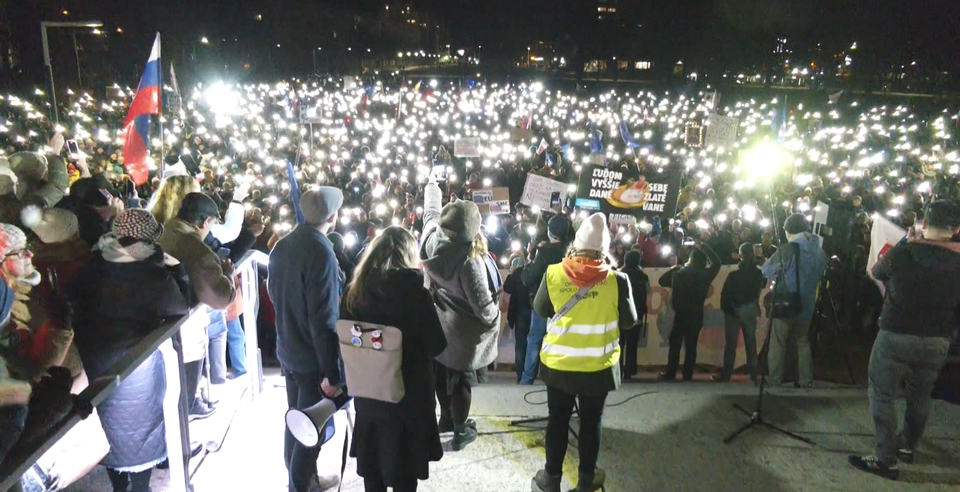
160	103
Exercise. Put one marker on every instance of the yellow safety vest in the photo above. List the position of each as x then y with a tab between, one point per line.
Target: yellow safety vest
587	338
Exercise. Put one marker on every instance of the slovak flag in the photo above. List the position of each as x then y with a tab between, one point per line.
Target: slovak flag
137	124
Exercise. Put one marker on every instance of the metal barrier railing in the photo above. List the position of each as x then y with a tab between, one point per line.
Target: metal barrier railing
166	339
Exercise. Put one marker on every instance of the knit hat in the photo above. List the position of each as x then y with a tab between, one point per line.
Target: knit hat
593	234
317	206
139	224
8	179
11	239
30	166
558	227
461	220
51	225
796	224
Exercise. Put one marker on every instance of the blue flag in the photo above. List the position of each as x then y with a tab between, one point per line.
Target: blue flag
295	193
596	146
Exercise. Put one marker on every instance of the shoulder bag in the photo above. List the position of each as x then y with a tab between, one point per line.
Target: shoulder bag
372	356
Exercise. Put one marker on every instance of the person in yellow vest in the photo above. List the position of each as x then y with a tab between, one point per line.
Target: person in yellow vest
586	304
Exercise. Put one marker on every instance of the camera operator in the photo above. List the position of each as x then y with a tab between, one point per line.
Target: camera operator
812	263
922	277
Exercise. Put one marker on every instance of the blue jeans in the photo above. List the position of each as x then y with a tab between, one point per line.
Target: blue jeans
236	347
902	361
217	331
538	330
521	330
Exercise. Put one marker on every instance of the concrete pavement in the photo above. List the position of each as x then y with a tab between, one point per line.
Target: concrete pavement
665	437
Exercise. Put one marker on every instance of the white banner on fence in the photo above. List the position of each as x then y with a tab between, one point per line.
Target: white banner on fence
883	236
537	191
722	131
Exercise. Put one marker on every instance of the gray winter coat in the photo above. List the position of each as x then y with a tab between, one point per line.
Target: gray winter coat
469	310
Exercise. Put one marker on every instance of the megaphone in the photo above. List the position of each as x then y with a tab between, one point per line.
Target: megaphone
312	426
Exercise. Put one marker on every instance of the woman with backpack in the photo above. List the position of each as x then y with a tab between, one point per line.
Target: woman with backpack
394	443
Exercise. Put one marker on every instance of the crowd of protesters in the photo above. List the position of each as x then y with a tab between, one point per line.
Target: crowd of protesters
362	157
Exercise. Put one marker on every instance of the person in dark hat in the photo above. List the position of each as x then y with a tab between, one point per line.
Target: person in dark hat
558	232
305	287
802	252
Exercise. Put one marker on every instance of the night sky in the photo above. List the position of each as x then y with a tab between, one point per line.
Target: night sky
716	33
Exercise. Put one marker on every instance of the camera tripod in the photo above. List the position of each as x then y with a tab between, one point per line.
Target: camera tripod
756	416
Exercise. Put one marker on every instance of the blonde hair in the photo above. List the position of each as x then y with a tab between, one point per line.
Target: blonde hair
394	249
166	202
478	248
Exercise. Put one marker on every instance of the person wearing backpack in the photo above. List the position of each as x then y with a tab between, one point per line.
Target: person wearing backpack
394	443
801	269
586	304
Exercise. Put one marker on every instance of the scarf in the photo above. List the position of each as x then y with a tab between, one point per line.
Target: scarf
584	272
114	252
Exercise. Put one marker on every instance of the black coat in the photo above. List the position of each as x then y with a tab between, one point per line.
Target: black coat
398	441
533	273
519	296
742	287
115	306
639	283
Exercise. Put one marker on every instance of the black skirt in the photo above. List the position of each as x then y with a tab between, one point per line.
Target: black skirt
395	444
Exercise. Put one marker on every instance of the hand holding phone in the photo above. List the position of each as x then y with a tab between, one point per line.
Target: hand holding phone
73	149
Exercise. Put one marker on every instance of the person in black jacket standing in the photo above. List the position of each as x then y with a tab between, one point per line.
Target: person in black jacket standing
518	314
740	303
922	276
558	230
690	284
304	284
640	285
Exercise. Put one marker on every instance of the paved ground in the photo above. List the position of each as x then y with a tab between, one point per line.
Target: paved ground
668	437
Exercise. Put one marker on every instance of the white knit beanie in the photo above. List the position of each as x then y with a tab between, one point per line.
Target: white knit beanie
593	234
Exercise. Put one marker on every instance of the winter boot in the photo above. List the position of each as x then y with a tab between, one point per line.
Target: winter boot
463	434
544	482
590	483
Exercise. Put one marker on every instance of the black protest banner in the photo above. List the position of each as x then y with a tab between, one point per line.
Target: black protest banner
620	193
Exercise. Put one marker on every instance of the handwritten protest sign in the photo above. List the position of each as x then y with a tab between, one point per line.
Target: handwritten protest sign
538	190
466	147
722	131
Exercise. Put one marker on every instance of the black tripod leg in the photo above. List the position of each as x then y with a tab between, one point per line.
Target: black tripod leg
744	410
731	437
789	434
528	421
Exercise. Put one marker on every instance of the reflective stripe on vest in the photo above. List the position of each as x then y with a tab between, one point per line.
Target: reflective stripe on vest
587	338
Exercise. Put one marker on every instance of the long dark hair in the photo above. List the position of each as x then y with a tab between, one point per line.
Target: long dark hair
394	249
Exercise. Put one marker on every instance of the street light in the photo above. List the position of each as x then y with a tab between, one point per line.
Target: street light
46	54
204	40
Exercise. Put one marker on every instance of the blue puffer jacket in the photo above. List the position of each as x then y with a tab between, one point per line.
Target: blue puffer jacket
813	264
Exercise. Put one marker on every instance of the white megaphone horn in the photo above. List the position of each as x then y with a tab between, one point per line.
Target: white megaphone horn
308	425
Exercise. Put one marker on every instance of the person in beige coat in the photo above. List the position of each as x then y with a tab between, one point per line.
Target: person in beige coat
210	280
